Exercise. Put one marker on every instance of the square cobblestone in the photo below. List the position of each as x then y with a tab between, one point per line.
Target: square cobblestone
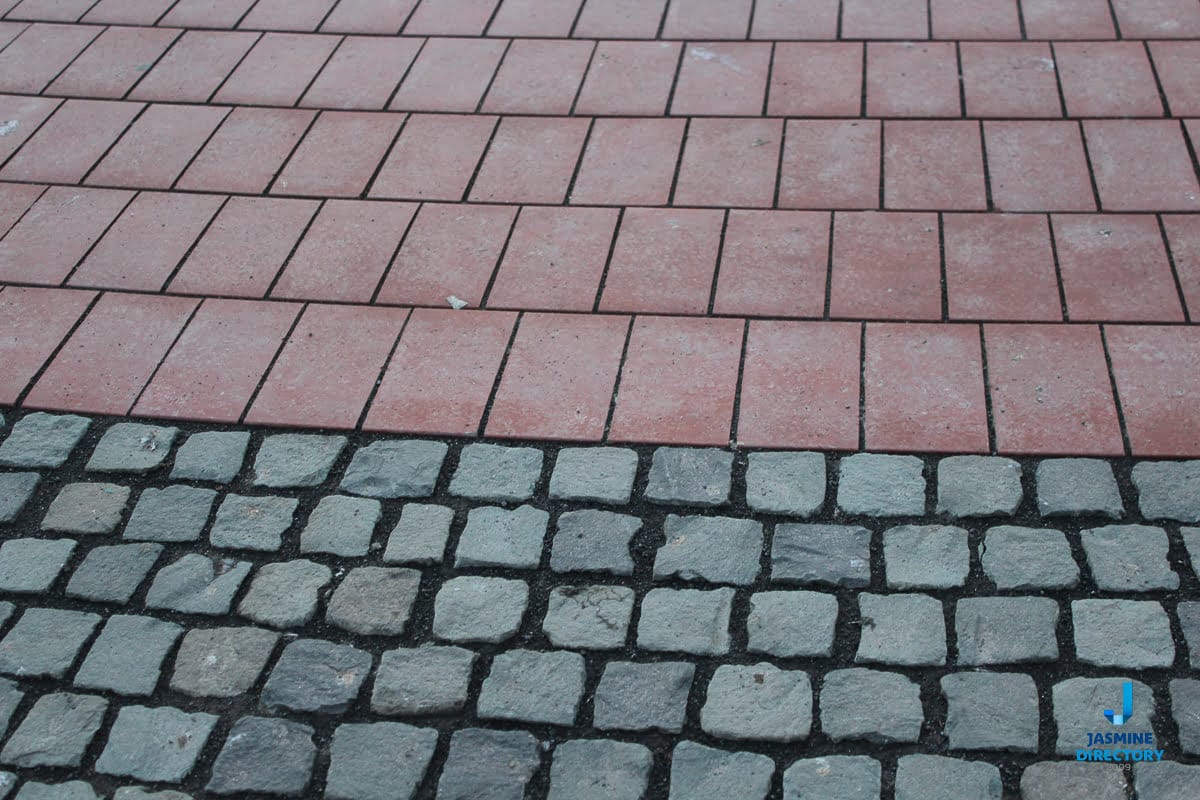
70	790
155	744
833	778
197	584
132	447
1006	630
1129	558
42	440
792	624
285	594
430	679
1077	486
45	642
393	469
1168	489
689	476
588	617
839	555
905	629
759	702
273	756
1078	703
497	537
881	485
923	777
1166	780
1028	558
31	566
492	764
529	686
711	549
211	456
686	621
643	697
86	508
497	474
420	535
316	676
844	715
595	769
10	698
594	541
173	514
594	474
477	609
792	484
112	573
127	656
221	662
56	732
379	761
1135	634
1189	621
926	557
16	489
991	711
978	486
706	773
1053	780
296	460
1185	707
342	526
374	601
252	523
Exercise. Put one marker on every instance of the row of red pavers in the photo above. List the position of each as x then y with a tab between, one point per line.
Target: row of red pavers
880	265
535	76
639	19
1031	165
827	385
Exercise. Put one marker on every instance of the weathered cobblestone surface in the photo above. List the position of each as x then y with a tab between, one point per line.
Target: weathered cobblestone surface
132	447
978	486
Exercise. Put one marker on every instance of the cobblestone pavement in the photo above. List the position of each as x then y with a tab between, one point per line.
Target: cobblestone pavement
214	612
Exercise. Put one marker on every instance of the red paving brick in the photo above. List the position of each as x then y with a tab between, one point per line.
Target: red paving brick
678	381
629	162
933	165
898	19
369	16
1037	166
629	78
1141	165
1010	79
451	17
245	247
795	19
158	146
555	259
147	242
194	66
1157	19
10	30
1156	371
247	150
774	263
362	74
450	75
113	63
729	162
206	13
39	54
912	80
830	164
1115	267
1183	234
277	70
1067	19
530	160
726	79
816	79
663	261
50	10
71	141
339	154
620	19
56	232
539	77
112	354
435	157
442	373
28	112
1050	390
1000	267
534	18
975	19
707	19
345	252
885	266
449	250
287	15
1178	67
800	386
559	377
34	321
128	12
1107	79
323	378
212	371
15	200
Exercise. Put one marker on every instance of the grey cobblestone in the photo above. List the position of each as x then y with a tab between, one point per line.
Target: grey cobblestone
221	662
285	595
41	440
341	526
497	474
138	793
1191	542
690	476
497	537
594	474
197	584
155	744
296	460
476	609
211	456
1129	558
1028	558
881	485
430	679
792	624
1077	486
991	711
1168	489
317	676
16	488
1078	703
374	601
492	764
173	514
1054	780
1189	622
1185	707
112	573
839	555
706	773
1166	780
45	642
686	621
379	761
392	469
10	698
642	697
833	778
792	484
1122	633
87	508
905	629
56	731
594	541
978	486
420	536
926	557
588	617
529	686
127	656
760	702
132	447
712	549
922	777
595	769
845	715
273	756
252	523
1006	630
70	790
30	566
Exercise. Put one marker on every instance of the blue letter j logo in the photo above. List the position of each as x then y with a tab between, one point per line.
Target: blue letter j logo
1126	707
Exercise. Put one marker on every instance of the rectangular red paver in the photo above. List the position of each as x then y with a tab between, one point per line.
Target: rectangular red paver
629	162
1157	19
800	386
663	261
678	381
194	66
534	18
451	17
1178	67
896	19
369	16
115	61
629	78
1157	371
912	80
559	377
1141	165
345	252
322	377
1067	19
1107	79
34	321
1115	267
1037	166
206	13
287	15
147	242
975	19
29	113
931	164
1050	390
1010	79
277	70
50	10
620	19
10	30
71	141
1183	235
774	263
212	371
363	73
56	232
830	164
707	19
539	76
449	250
245	247
442	373
128	12
729	162
923	388
339	154
816	79
1000	267
795	19
15	200
722	79
435	157
450	75
247	150
158	146
33	60
555	259
112	354
530	160
885	266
